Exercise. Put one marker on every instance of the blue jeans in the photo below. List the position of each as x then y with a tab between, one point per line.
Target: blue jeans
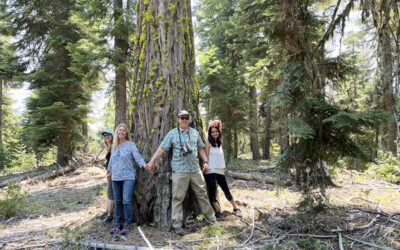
123	192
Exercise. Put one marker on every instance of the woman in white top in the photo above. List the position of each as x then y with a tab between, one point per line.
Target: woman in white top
216	168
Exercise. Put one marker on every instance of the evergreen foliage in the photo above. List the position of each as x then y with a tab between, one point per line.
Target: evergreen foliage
11	71
327	134
64	73
12	200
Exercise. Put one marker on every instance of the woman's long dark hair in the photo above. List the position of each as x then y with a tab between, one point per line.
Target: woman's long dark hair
211	140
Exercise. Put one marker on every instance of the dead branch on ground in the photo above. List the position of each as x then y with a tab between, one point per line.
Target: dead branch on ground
351	229
145	239
367	243
253	177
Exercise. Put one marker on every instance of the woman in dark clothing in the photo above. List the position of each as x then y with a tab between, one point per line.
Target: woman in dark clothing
108	140
216	168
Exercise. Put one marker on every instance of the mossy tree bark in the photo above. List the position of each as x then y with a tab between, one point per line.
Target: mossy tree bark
164	82
381	14
387	80
1	113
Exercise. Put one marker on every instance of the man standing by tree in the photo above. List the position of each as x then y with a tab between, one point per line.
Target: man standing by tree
185	143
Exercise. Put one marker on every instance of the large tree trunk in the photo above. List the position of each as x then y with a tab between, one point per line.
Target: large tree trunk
381	15
1	122
121	47
65	144
253	118
283	133
267	131
164	82
1	113
85	135
235	144
64	149
386	63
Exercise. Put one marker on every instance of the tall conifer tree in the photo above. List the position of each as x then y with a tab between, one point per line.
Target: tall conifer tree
51	36
164	82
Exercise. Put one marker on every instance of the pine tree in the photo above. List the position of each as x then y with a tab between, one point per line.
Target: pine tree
221	79
53	38
320	130
115	21
385	18
10	70
121	46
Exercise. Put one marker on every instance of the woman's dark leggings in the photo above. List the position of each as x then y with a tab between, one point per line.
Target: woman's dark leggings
211	181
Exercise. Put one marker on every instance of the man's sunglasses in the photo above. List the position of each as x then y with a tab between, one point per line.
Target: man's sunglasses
184	118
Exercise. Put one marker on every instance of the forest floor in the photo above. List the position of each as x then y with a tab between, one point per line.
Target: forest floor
63	213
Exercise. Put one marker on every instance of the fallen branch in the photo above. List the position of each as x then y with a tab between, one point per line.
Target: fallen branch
276	240
362	198
240	181
97	156
253	177
351	229
145	239
52	174
20	178
256	227
315	235
252	230
382	214
367	243
394	221
100	245
340	241
41	245
37	176
204	239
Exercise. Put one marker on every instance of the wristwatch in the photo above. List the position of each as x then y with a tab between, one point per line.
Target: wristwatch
205	162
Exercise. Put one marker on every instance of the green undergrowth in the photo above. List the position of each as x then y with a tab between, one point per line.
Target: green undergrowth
12	200
310	243
63	200
248	165
386	167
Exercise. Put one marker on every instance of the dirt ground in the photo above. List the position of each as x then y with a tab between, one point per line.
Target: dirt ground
62	213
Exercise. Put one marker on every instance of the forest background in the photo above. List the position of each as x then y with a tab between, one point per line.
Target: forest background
311	85
247	71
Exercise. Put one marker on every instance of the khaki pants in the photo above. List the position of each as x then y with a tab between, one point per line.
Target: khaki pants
180	183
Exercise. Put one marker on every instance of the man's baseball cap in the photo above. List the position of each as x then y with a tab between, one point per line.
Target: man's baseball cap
183	112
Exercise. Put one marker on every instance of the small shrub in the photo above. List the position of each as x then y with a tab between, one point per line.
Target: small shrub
212	230
308	242
12	200
387	167
71	236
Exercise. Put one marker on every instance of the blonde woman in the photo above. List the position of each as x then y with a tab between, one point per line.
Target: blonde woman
122	167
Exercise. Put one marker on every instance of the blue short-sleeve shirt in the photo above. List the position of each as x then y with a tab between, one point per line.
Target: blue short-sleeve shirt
181	163
122	162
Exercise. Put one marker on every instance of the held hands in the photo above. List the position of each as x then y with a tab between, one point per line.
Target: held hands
149	166
205	167
108	176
